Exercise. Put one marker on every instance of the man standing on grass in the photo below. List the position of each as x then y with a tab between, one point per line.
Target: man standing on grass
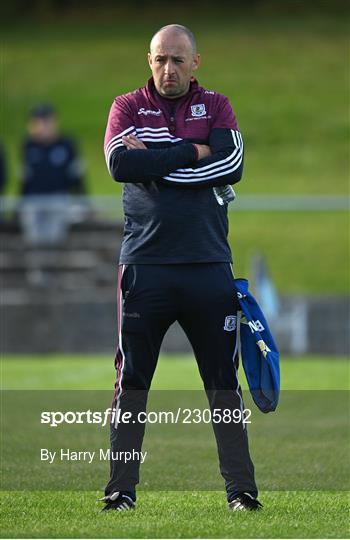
175	145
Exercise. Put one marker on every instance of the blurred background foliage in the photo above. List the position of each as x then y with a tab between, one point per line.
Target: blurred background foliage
283	65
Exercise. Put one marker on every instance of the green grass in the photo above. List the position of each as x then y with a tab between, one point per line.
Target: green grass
175	515
192	513
173	373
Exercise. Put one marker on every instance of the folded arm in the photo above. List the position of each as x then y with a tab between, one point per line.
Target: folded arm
129	160
138	164
223	166
179	164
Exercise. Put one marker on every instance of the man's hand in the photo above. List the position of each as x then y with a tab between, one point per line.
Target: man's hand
203	151
133	143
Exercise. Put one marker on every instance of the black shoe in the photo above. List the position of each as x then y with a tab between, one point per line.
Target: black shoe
118	501
244	501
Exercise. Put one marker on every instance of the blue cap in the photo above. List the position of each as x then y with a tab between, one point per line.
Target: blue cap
42	110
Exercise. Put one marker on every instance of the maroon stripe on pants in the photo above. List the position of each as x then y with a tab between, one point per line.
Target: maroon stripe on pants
118	360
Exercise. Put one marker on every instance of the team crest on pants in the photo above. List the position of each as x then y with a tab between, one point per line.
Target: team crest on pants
230	323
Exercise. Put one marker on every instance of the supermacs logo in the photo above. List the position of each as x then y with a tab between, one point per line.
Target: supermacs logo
146	112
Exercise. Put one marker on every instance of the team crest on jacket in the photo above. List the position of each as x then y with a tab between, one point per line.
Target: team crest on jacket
198	110
230	323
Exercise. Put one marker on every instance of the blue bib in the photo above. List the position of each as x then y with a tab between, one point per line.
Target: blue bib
260	356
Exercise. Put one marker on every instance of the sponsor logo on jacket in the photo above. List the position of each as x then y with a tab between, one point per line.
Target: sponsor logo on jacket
146	112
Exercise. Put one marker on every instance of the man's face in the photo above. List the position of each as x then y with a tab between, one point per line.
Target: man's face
43	129
172	62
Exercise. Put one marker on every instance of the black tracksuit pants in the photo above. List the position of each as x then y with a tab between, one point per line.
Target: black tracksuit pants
202	298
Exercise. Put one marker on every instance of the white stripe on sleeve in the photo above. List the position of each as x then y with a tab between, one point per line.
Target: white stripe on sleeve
116	142
119	136
214	170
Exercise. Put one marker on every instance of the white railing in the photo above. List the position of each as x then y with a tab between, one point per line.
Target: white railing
291	203
110	206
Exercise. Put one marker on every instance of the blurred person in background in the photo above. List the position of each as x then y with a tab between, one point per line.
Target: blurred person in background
264	287
51	171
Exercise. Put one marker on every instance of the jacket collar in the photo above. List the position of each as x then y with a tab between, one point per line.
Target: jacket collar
159	101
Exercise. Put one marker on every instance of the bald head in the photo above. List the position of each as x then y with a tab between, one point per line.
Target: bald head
175	30
173	58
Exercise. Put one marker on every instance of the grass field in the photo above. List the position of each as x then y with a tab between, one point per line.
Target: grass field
63	372
175	515
191	513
